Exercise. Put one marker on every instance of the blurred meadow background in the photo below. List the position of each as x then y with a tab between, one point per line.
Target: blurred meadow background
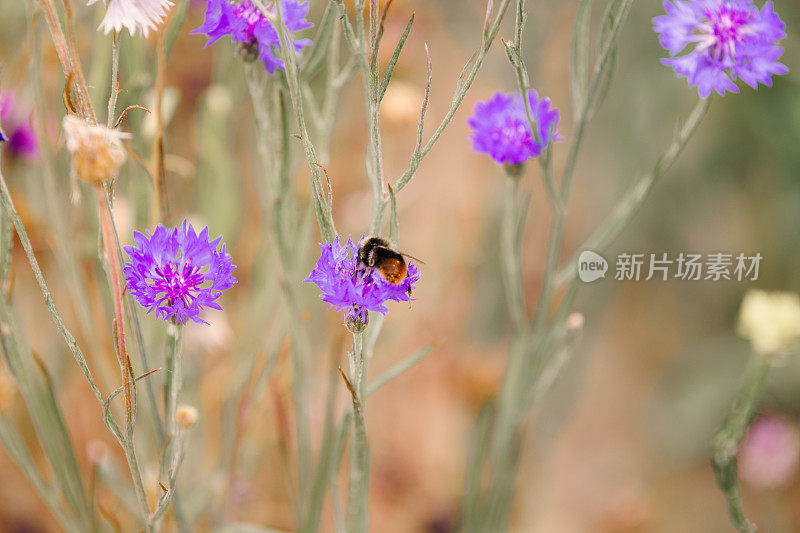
621	442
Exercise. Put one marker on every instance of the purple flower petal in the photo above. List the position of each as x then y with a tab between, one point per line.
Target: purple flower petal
732	39
176	272
246	24
501	129
349	290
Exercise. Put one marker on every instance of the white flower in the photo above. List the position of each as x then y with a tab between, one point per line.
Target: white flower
133	14
771	320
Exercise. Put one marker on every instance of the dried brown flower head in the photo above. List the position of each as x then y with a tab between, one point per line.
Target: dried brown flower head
97	152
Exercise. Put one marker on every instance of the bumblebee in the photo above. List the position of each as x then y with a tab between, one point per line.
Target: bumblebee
376	253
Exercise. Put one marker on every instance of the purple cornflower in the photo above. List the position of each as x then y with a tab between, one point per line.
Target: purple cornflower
177	272
501	129
19	134
246	24
348	289
732	40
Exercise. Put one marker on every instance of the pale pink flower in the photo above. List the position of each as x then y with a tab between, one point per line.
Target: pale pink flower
132	14
768	457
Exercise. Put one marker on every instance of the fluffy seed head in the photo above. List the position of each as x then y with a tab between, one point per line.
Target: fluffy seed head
96	151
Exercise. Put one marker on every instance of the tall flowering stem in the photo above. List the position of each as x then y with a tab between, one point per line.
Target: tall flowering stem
771	321
175	445
128	381
468	75
269	100
539	347
77	85
358	484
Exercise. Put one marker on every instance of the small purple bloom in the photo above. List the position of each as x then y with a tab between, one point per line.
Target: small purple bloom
347	289
246	24
501	129
177	272
732	40
19	134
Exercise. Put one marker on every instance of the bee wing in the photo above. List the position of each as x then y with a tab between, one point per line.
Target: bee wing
412	257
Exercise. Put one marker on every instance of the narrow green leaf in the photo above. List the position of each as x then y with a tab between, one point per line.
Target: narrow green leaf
397	370
394	225
478	446
579	54
387	76
604	84
322	41
15	445
175	25
609	15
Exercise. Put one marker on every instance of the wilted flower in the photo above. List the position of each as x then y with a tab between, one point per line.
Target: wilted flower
96	151
348	289
17	130
732	40
133	14
177	272
246	24
501	129
769	455
771	320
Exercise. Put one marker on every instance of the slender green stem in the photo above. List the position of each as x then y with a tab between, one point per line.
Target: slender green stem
513	221
112	97
173	382
322	202
637	193
523	81
272	121
72	344
358	487
15	445
175	448
727	439
45	414
465	81
608	48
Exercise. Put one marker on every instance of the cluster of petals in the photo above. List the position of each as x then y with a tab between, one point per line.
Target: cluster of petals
722	41
248	25
347	288
500	127
178	272
141	15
